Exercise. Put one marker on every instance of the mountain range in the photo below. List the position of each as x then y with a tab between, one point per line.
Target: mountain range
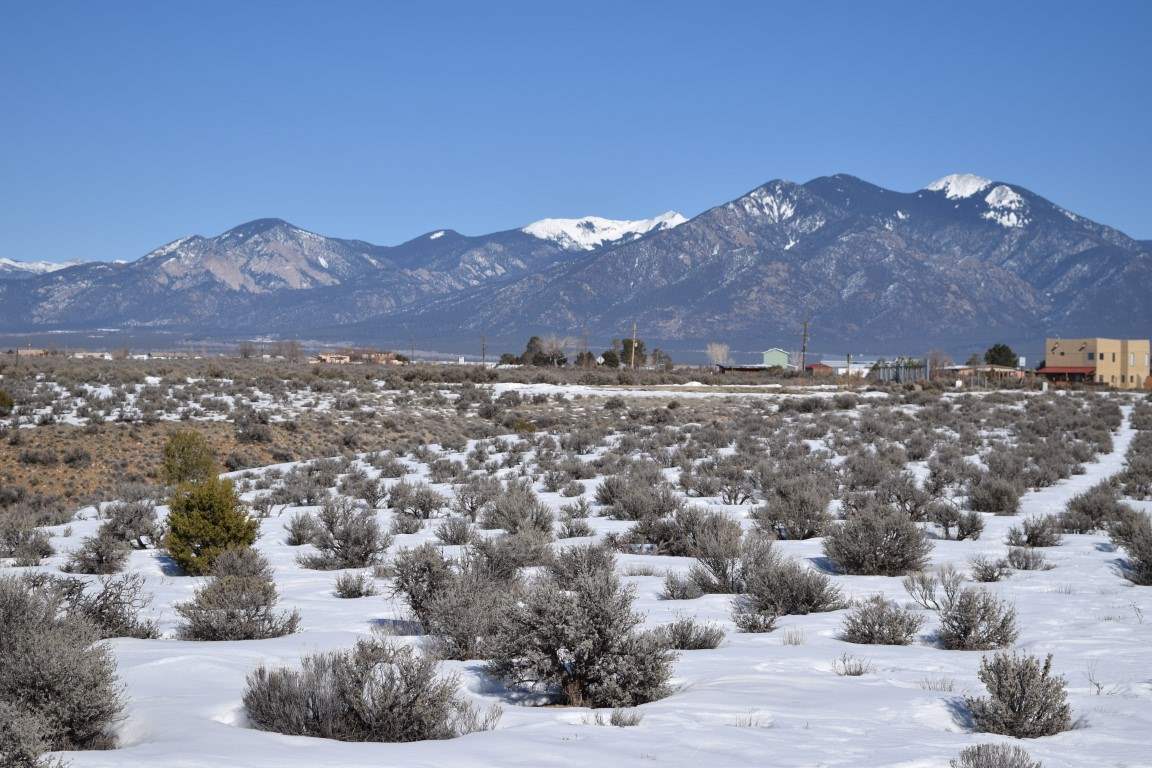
960	263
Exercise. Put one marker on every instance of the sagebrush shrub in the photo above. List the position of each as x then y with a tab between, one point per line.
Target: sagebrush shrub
1025	700
1035	532
205	519
990	493
300	528
53	670
1096	509
415	499
994	756
353	585
99	554
976	620
1134	534
795	508
455	531
581	644
238	603
687	634
571	563
464	616
133	522
346	535
877	543
1026	559
516	508
877	621
775	585
375	691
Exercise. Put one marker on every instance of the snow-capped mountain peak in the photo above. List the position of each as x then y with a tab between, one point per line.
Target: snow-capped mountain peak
11	266
959	185
590	232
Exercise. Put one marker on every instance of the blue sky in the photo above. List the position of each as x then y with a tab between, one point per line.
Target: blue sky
125	125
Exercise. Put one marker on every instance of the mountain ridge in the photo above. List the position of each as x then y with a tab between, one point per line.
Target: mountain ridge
963	258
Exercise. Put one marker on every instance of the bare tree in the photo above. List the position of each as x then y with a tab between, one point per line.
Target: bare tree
717	353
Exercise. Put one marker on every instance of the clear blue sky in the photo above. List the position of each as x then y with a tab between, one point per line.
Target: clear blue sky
125	125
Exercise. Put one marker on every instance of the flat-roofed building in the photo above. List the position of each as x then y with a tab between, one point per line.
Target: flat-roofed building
1120	363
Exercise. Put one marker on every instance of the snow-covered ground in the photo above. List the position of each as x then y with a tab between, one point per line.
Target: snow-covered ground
757	700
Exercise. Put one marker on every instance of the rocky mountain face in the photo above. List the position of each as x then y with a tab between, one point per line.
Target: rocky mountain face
961	262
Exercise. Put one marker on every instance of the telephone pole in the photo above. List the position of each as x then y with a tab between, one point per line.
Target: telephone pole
804	351
633	364
484	351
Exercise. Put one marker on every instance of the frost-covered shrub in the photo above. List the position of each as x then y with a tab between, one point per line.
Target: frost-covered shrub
464	614
1025	700
877	621
582	645
374	691
455	531
946	515
1026	559
20	539
133	522
505	555
877	543
516	508
415	499
637	502
99	554
474	494
994	756
976	620
24	738
54	674
300	528
971	618
986	570
238	603
353	585
112	604
989	493
774	585
347	536
795	508
687	634
679	534
677	587
1035	532
571	563
1134	534
1095	509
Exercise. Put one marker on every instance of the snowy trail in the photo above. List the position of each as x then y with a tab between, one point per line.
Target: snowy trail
754	701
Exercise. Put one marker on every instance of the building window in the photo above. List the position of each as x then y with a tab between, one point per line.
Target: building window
1132	359
1091	355
1113	357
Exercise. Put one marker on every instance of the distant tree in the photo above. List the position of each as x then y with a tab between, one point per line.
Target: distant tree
717	353
661	360
626	358
973	359
585	360
188	458
937	360
246	350
291	350
555	351
611	358
1001	354
533	351
508	358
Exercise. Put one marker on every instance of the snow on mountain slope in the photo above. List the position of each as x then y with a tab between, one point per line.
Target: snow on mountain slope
957	186
1005	207
12	267
591	232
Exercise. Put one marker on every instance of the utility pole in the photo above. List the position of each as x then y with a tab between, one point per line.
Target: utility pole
848	360
584	346
804	351
412	348
484	351
634	345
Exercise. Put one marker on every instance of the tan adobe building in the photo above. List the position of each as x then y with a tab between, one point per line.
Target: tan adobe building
1120	363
